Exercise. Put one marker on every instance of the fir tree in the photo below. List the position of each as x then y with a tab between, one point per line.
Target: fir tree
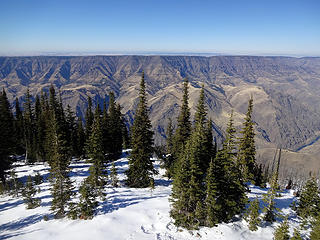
141	167
282	231
252	215
183	130
211	196
247	150
309	201
40	129
114	128
72	130
19	128
15	184
195	155
29	132
28	195
88	199
80	139
271	212
60	158
89	118
232	198
7	139
114	176
95	152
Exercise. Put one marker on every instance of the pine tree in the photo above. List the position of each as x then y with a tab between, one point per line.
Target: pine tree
282	231
72	130
252	215
28	195
95	153
315	232
271	212
40	128
247	150
7	139
309	201
89	119
232	198
125	135
114	128
80	137
60	158
297	235
29	132
211	196
15	185
141	167
88	199
195	155
19	128
114	175
183	130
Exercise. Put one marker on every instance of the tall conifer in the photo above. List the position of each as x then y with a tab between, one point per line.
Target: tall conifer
7	139
247	149
141	167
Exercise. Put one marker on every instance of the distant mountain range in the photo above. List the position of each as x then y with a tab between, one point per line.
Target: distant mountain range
285	89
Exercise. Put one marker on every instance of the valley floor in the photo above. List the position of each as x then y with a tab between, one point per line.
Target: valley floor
126	213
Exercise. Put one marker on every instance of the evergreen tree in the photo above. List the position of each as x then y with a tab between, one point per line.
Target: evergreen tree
252	215
125	135
95	152
40	129
211	196
105	128
89	119
196	156
88	199
7	139
15	184
19	129
209	146
247	150
183	130
271	212
114	176
29	131
282	231
297	235
315	232
141	167
72	130
60	158
309	201
28	195
80	139
114	128
232	198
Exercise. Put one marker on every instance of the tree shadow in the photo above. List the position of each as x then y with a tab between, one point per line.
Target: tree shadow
9	205
16	234
162	182
20	223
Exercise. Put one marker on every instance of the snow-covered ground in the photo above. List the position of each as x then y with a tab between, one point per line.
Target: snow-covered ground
127	213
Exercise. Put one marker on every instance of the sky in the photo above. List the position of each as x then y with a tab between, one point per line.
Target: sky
259	27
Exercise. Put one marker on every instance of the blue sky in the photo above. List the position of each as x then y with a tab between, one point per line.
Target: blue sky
226	27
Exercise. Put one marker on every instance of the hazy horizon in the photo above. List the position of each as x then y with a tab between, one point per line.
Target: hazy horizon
277	28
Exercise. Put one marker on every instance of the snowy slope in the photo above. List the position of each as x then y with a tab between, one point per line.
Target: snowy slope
126	213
